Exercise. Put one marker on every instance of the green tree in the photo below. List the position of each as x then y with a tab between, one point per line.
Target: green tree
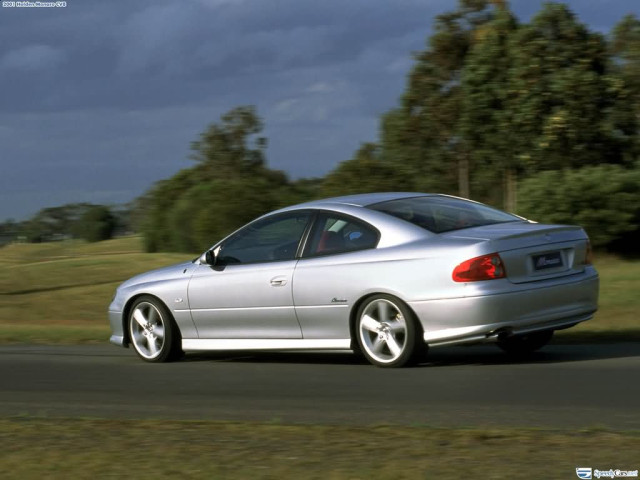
625	46
304	190
485	119
55	222
558	94
96	224
234	146
209	211
625	116
365	172
420	137
155	205
604	199
229	186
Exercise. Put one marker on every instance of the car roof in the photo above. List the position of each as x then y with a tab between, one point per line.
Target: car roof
394	231
363	199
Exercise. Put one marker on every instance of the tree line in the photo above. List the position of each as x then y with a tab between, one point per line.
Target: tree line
538	118
74	220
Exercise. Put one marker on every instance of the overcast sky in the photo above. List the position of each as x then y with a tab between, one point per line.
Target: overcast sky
102	98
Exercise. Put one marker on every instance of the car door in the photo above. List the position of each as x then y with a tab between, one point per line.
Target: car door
333	268
248	293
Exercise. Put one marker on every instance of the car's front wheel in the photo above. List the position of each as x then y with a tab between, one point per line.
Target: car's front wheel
387	332
519	345
152	331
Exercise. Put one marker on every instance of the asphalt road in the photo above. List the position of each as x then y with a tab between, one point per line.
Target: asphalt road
575	386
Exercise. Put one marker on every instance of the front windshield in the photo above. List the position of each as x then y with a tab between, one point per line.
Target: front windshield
441	214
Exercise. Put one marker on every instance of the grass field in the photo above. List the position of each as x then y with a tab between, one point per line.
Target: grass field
59	292
89	448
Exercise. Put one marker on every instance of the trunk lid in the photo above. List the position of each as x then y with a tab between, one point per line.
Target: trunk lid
532	251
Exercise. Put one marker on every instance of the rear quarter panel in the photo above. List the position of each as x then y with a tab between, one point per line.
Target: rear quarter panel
326	289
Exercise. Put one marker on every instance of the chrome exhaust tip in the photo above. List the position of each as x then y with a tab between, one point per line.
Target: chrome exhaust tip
500	334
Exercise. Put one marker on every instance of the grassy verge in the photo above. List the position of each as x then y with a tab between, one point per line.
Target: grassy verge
84	448
54	335
59	292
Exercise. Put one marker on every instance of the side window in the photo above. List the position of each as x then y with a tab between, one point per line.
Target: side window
335	233
272	239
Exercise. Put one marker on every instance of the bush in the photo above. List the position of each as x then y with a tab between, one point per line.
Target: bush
604	199
96	224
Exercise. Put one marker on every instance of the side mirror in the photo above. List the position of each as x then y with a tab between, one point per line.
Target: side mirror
210	257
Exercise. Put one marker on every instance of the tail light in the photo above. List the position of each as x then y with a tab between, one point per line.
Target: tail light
487	267
588	258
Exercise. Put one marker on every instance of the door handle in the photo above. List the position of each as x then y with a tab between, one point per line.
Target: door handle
278	282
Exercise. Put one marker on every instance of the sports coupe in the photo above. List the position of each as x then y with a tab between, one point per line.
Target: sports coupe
383	274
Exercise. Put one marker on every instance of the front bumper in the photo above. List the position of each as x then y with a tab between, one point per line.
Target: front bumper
117	337
542	306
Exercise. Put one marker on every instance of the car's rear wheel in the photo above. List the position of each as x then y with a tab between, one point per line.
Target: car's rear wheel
525	344
152	331
387	332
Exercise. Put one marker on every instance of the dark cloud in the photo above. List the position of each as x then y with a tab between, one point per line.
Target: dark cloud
101	99
168	53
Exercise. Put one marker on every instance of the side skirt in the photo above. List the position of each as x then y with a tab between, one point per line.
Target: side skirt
198	344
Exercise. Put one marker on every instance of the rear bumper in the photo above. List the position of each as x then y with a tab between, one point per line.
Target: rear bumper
546	305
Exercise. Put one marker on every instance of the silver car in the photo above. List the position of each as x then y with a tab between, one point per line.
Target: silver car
383	274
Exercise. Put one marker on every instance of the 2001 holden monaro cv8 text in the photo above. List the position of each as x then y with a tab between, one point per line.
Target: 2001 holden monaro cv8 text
384	274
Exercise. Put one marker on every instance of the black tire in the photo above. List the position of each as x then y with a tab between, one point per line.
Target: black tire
387	332
153	332
522	345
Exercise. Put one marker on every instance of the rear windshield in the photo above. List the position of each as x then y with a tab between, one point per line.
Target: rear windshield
443	214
